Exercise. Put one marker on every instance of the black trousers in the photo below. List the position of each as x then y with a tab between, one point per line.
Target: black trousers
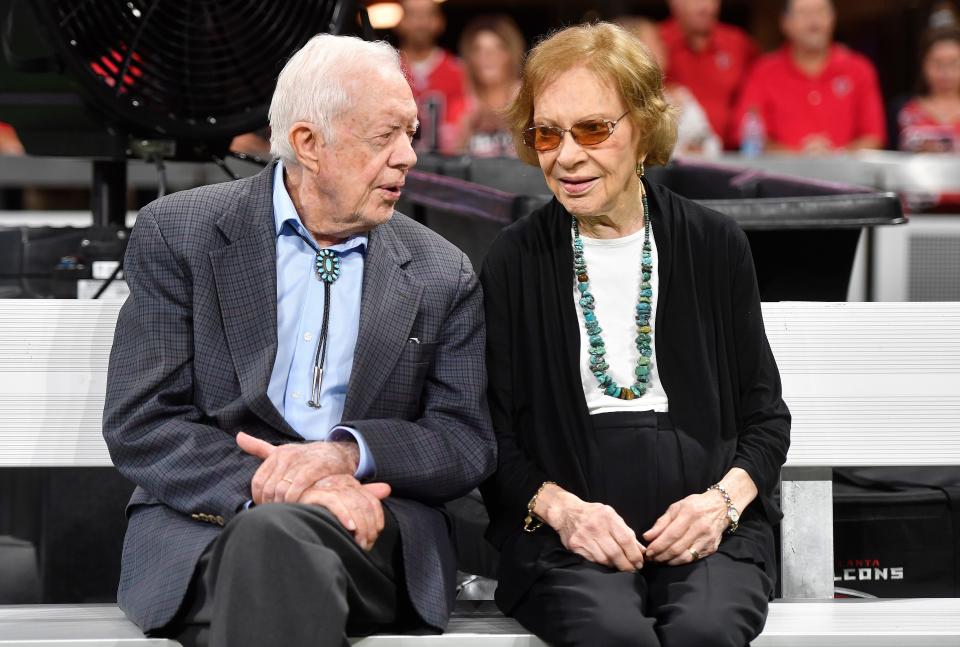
720	600
717	601
293	575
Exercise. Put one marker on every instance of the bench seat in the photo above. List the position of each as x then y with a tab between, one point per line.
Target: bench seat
868	384
60	625
808	623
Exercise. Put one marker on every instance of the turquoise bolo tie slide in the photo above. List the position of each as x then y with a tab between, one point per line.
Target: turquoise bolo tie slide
327	266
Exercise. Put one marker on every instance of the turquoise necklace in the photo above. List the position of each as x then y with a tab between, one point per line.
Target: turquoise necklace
598	365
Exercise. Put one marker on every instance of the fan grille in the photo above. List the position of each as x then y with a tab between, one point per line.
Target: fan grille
185	68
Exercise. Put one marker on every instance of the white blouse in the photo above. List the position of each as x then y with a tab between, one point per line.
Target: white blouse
613	266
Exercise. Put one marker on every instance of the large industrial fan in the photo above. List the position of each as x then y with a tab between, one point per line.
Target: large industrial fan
159	79
193	70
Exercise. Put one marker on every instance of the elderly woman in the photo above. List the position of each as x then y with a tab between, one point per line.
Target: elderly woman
635	399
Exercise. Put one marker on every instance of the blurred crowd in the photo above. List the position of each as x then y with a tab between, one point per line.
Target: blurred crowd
813	95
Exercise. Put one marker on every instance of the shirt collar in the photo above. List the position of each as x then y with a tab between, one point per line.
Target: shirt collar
288	222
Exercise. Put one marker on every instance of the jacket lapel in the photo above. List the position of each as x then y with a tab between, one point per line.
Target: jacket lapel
246	278
388	309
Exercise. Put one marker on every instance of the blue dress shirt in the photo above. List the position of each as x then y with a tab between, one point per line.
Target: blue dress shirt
300	302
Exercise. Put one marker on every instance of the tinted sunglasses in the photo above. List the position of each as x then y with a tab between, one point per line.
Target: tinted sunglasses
586	133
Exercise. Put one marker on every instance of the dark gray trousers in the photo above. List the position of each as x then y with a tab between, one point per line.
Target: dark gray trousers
715	602
293	575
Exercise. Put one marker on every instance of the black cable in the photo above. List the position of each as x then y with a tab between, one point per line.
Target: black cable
320	356
132	49
111	279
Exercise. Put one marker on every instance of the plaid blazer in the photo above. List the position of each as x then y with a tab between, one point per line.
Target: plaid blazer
192	357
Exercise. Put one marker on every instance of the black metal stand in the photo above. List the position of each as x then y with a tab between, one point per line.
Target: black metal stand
109	205
109	195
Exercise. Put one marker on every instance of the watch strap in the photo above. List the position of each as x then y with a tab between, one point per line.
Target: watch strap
733	515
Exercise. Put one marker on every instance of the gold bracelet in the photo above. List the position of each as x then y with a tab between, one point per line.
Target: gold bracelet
532	521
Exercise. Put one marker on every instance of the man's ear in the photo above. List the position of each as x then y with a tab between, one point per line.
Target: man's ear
307	144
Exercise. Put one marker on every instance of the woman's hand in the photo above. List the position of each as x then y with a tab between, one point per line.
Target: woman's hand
592	530
697	523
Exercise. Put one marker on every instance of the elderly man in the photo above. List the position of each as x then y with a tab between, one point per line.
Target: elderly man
708	57
297	381
813	96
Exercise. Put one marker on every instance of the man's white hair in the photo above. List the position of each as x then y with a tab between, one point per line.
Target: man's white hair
313	85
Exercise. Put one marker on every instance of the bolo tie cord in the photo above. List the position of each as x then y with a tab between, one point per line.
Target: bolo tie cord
327	270
320	354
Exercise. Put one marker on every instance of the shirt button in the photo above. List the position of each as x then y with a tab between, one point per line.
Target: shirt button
295	395
307	336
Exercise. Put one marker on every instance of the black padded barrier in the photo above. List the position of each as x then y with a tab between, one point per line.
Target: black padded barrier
803	233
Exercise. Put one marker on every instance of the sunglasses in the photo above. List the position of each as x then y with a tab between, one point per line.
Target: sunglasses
586	133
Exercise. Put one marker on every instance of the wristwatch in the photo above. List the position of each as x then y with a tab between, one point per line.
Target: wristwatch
733	515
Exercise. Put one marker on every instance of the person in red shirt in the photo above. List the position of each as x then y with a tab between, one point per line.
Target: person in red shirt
707	57
813	95
9	142
435	75
930	122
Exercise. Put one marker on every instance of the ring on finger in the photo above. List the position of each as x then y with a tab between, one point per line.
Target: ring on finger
288	480
694	553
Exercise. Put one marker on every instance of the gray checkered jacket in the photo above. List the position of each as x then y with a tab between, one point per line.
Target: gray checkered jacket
192	356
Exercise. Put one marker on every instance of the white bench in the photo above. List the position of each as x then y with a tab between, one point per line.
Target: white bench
868	384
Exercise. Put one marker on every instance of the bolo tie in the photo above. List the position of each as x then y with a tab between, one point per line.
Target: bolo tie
327	269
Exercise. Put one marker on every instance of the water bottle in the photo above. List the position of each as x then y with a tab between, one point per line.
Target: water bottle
753	134
430	124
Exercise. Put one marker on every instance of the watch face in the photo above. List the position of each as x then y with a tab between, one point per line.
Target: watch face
733	515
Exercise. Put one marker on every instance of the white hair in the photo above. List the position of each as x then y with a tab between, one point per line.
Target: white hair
313	85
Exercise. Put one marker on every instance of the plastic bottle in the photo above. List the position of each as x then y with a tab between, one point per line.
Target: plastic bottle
753	134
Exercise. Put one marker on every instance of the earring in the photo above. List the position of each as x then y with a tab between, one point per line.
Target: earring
640	169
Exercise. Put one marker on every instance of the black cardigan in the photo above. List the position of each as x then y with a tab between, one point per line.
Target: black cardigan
712	356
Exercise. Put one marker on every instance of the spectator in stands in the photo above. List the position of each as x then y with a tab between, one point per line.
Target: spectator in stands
9	142
708	57
492	50
255	144
436	76
944	14
694	134
633	499
930	122
252	430
813	96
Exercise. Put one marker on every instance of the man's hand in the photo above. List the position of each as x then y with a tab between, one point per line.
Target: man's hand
817	144
289	470
357	506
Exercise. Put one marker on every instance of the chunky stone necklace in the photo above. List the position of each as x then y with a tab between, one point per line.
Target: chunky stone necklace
598	365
